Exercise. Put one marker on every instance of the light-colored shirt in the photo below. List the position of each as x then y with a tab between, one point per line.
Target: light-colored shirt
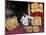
24	20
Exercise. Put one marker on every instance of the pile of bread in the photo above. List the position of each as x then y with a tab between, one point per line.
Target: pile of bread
36	21
35	7
32	29
11	23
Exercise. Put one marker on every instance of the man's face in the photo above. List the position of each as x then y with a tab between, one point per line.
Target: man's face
24	15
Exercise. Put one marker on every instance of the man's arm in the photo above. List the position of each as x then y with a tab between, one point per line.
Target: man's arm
30	17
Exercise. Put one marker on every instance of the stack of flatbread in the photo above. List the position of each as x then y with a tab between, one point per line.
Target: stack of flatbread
35	29
28	29
11	23
36	21
35	7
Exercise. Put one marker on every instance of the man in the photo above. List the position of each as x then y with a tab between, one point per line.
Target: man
25	18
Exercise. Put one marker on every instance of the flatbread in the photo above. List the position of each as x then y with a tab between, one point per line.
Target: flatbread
37	20
28	29
35	29
11	23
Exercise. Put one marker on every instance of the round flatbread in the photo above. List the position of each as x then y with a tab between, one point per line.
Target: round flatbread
11	23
